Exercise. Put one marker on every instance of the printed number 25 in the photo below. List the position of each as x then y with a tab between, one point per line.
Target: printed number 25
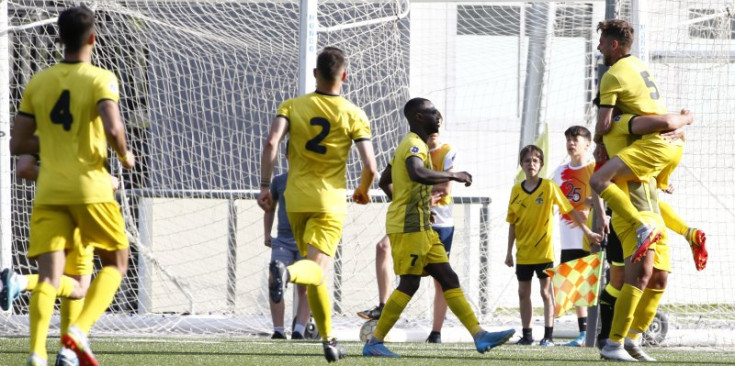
61	114
313	144
650	84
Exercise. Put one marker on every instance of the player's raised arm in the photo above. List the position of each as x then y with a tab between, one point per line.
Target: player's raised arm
278	130
418	173
641	125
369	171
115	131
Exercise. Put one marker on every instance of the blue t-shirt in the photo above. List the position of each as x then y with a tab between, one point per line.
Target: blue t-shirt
278	186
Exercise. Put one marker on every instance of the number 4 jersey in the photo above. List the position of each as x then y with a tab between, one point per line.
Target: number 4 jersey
322	128
73	148
574	182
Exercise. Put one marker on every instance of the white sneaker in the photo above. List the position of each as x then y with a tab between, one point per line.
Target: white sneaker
614	351
77	341
634	349
66	357
36	360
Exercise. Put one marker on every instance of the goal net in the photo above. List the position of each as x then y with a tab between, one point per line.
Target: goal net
200	82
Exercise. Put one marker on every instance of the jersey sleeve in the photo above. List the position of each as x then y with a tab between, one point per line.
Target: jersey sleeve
284	109
419	150
511	217
106	87
609	89
449	159
560	200
621	124
26	106
360	127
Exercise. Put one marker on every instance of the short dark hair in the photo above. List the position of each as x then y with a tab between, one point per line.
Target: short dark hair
75	26
575	131
617	29
330	63
530	149
413	106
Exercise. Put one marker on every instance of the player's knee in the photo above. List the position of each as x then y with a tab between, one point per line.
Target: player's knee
597	182
524	293
449	281
409	284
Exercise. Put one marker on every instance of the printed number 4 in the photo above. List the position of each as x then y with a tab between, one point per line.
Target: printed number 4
313	144
61	114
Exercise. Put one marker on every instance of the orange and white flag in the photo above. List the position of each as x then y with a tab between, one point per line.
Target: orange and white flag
576	283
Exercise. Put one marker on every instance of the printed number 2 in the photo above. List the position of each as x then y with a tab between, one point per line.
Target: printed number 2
415	258
313	144
650	84
61	114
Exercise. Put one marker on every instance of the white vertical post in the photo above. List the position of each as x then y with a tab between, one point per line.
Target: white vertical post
308	27
6	239
639	18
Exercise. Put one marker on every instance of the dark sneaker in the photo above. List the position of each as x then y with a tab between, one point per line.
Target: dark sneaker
434	337
332	351
490	340
297	335
371	314
278	335
275	288
525	342
546	343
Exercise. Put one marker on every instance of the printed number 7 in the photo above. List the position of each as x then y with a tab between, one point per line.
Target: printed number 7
415	258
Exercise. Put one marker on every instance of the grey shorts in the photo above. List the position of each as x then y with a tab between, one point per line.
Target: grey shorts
284	251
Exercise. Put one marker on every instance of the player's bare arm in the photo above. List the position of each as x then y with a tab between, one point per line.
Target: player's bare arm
642	125
22	137
386	182
580	220
278	130
369	171
115	132
418	173
268	218
511	240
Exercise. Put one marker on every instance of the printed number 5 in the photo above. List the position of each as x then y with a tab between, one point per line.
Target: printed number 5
650	84
61	114
415	258
313	144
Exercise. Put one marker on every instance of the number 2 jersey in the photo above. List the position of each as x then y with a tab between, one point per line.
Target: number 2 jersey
574	182
73	147
322	128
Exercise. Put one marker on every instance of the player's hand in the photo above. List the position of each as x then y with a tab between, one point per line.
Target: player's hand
127	161
594	238
115	183
674	135
265	201
361	197
509	260
267	241
436	197
600	154
686	112
669	189
462	177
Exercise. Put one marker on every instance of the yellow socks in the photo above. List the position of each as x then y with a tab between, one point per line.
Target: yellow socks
305	272
620	203
672	219
321	307
70	310
625	306
99	297
32	282
457	302
66	286
644	312
41	309
391	312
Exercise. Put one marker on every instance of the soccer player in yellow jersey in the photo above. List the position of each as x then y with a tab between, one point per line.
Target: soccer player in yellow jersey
415	247
630	86
71	109
529	214
322	127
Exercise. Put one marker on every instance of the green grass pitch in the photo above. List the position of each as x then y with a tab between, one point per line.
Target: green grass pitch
253	351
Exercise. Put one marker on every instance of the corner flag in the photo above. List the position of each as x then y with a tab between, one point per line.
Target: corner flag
576	283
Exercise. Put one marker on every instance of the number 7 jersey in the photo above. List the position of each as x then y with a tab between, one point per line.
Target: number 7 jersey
62	100
322	128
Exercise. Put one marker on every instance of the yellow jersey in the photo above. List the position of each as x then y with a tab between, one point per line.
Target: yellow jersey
409	211
442	160
531	212
629	86
73	147
619	137
321	130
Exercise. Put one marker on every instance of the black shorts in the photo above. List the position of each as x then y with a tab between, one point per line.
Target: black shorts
613	250
572	254
524	272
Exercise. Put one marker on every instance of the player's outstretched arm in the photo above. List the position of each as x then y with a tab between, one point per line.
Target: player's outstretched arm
22	137
369	171
386	182
115	132
278	130
642	125
579	219
511	240
417	173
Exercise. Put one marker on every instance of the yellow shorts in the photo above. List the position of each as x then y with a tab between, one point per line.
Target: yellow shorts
100	225
652	157
79	259
321	230
626	234
413	251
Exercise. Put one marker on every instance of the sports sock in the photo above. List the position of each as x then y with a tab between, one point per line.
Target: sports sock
673	221
70	310
457	302
620	203
644	313
299	328
41	309
528	333
624	308
66	286
100	296
305	272
607	306
321	307
549	333
279	330
392	310
582	324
